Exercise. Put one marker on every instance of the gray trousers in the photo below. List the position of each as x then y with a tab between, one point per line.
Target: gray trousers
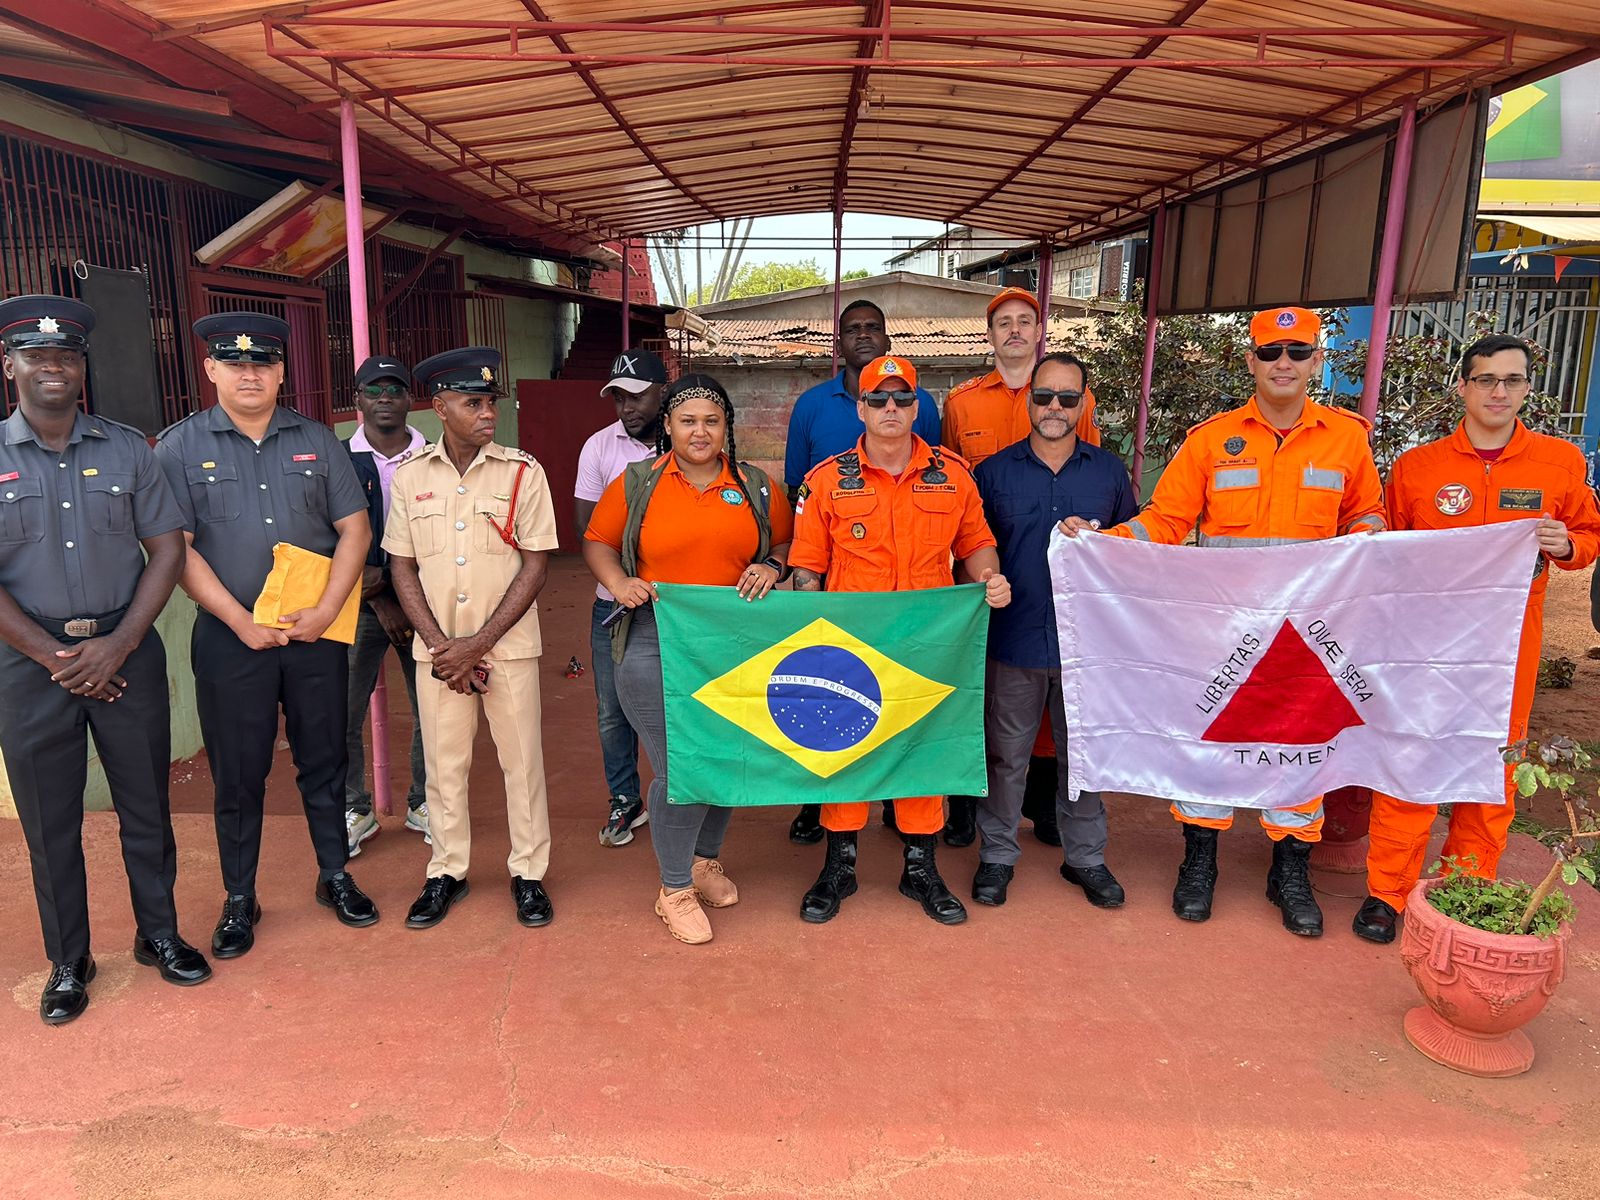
366	660
1014	702
679	832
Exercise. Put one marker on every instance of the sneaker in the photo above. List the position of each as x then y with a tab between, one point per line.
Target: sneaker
684	917
712	884
358	827
417	822
626	816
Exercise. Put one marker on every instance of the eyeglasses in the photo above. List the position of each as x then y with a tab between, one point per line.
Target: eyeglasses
1044	397
1271	354
879	399
376	391
1514	384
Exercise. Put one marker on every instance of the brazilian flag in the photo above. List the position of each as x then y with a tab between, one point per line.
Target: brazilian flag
822	697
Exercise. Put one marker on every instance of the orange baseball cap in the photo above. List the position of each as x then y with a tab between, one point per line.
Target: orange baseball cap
1285	325
890	366
1013	293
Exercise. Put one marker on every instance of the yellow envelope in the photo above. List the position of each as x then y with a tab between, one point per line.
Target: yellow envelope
297	580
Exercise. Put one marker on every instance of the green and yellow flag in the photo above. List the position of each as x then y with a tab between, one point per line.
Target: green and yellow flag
819	698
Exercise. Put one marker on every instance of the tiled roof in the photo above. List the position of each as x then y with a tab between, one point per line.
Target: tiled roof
916	337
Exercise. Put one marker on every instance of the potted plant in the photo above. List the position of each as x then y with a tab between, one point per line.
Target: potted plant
1487	954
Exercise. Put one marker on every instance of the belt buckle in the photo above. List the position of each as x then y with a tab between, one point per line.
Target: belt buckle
80	627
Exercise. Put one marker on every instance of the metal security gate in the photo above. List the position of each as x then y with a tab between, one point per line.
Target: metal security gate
306	386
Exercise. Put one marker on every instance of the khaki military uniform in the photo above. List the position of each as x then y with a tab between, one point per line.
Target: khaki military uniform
450	524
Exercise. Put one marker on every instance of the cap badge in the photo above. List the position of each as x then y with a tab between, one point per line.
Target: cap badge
1285	319
243	342
890	367
49	325
488	375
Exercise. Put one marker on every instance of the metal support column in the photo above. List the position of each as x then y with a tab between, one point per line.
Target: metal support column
1047	263
1394	229
627	298
1152	289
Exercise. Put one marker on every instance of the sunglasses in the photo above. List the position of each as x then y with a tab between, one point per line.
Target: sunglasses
1044	397
879	399
378	390
1270	354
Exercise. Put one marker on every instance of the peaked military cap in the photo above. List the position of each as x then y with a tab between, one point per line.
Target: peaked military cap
243	337
470	369
381	366
45	321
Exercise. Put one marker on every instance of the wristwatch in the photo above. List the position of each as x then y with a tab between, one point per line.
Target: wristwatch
783	571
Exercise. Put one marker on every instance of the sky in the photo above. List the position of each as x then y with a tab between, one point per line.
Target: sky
867	242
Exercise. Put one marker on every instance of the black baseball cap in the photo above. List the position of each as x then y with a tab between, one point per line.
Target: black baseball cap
635	370
381	366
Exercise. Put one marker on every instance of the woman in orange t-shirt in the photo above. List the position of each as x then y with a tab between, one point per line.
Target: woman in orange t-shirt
701	525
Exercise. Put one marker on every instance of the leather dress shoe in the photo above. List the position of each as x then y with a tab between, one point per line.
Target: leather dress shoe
1098	884
438	894
178	962
806	828
236	928
349	903
990	883
66	992
533	904
1376	921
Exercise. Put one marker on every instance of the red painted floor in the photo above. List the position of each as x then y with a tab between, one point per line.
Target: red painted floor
1046	1049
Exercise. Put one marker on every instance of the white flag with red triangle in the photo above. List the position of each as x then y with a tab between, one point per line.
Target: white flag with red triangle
1262	677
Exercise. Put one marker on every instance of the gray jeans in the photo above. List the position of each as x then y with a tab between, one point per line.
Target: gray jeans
1014	701
679	832
366	660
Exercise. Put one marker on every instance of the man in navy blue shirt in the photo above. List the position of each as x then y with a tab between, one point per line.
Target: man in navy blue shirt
823	423
1027	489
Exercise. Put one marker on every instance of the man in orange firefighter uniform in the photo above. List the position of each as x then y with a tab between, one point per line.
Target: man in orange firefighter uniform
982	417
889	516
1491	469
1280	469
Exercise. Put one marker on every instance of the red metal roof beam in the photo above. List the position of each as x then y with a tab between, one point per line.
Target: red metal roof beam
109	83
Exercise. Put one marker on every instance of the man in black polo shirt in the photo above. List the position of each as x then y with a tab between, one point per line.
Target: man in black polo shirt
1028	488
82	503
249	474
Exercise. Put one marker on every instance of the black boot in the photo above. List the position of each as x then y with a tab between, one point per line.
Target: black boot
838	880
961	826
1289	887
920	881
1197	877
888	816
806	828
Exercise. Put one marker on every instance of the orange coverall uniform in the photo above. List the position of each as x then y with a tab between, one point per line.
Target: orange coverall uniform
1446	485
983	416
1246	483
893	533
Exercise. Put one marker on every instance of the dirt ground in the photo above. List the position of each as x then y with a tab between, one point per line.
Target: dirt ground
1575	711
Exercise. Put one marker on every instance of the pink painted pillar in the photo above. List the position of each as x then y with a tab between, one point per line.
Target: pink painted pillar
838	272
1394	229
1152	289
1047	263
355	241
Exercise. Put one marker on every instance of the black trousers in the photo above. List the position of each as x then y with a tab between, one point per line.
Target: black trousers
42	728
238	691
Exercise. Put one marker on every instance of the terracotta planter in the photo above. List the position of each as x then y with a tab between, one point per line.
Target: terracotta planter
1347	812
1480	988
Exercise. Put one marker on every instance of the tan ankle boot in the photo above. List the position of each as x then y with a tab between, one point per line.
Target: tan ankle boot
712	884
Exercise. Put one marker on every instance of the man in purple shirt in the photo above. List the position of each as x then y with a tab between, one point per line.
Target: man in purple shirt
380	444
637	378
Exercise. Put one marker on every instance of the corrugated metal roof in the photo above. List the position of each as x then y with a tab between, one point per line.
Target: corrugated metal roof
918	338
1060	118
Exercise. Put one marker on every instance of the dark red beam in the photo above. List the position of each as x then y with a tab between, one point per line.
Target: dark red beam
110	83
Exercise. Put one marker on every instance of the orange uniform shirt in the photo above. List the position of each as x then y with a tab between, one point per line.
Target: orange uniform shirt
983	416
1447	484
1244	484
870	531
689	535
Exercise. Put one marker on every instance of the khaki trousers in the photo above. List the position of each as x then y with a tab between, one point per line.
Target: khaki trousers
449	724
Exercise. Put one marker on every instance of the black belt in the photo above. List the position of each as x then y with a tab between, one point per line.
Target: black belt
80	627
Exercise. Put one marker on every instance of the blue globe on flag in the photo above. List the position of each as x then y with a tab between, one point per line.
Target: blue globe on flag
824	698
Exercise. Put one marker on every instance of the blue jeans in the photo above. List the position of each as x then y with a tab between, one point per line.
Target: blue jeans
619	744
366	660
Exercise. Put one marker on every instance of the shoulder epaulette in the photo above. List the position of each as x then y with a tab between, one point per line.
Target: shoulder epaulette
175	424
966	386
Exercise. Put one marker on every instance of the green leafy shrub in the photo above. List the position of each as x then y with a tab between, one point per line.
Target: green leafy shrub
1496	905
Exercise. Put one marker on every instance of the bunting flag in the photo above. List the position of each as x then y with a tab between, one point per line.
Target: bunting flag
816	698
1261	677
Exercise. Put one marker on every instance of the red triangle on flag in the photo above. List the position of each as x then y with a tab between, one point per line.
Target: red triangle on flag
1288	700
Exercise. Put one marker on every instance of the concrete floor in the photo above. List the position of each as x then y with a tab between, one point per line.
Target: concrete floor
1046	1049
